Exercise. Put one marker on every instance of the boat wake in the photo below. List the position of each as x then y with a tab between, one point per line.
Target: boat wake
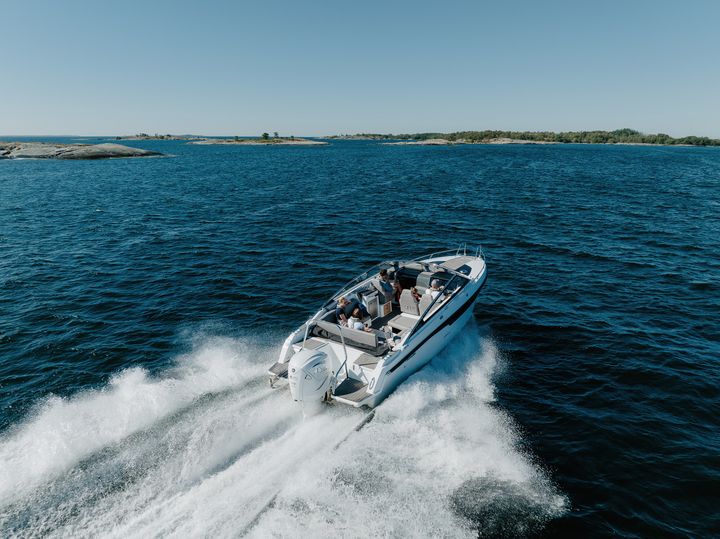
205	449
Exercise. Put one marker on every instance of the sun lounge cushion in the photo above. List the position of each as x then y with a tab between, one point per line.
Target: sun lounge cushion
403	322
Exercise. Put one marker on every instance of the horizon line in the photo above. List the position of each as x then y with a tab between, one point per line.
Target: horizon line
342	133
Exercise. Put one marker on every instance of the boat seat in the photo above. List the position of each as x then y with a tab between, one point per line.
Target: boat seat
425	302
373	342
403	321
408	304
424	279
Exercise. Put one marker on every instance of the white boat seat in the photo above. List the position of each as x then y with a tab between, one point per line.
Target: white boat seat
408	303
425	301
403	321
373	342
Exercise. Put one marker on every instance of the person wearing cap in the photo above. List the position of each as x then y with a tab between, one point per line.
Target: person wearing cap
434	289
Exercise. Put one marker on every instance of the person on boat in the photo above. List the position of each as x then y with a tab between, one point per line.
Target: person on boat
345	308
434	289
340	310
384	286
415	294
397	287
356	321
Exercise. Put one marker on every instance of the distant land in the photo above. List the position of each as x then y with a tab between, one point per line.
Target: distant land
264	140
145	136
619	136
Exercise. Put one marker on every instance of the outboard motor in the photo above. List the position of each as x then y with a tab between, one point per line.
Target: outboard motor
309	376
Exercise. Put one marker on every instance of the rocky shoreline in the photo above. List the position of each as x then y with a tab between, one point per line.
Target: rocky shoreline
48	150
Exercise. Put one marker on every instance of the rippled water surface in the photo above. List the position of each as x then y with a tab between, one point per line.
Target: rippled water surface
141	302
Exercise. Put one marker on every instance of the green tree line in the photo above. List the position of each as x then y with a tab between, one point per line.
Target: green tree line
625	136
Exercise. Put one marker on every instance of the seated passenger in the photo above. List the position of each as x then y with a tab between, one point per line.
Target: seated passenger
345	308
415	294
355	319
355	322
384	286
434	289
340	310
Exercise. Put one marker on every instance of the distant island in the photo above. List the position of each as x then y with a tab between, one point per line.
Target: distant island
619	136
51	150
264	140
145	136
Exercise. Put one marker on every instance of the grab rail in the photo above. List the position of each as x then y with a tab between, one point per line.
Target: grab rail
307	329
461	250
344	363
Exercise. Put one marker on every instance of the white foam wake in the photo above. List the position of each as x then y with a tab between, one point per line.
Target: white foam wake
201	451
61	432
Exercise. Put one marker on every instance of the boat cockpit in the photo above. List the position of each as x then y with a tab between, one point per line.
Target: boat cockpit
388	320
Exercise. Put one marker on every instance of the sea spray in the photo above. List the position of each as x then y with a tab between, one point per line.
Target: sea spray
61	432
211	461
403	474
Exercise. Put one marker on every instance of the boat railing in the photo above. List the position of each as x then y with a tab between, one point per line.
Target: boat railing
461	250
344	363
307	330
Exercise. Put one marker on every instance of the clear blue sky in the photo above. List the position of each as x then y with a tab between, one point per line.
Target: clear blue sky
316	67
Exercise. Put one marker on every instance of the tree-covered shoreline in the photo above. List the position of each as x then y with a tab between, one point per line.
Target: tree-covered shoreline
619	136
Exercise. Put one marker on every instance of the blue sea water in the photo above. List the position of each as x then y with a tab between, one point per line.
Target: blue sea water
141	301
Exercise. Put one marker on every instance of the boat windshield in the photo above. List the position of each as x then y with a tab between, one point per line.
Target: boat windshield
434	259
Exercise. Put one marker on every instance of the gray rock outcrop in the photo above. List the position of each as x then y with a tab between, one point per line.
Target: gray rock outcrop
49	150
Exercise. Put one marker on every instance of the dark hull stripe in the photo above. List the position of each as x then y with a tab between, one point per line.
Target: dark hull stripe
452	318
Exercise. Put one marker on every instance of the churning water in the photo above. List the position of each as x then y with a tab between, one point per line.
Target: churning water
203	448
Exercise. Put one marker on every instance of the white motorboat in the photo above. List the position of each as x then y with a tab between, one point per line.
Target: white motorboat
329	359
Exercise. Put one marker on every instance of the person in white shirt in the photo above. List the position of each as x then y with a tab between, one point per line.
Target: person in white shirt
434	289
356	320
